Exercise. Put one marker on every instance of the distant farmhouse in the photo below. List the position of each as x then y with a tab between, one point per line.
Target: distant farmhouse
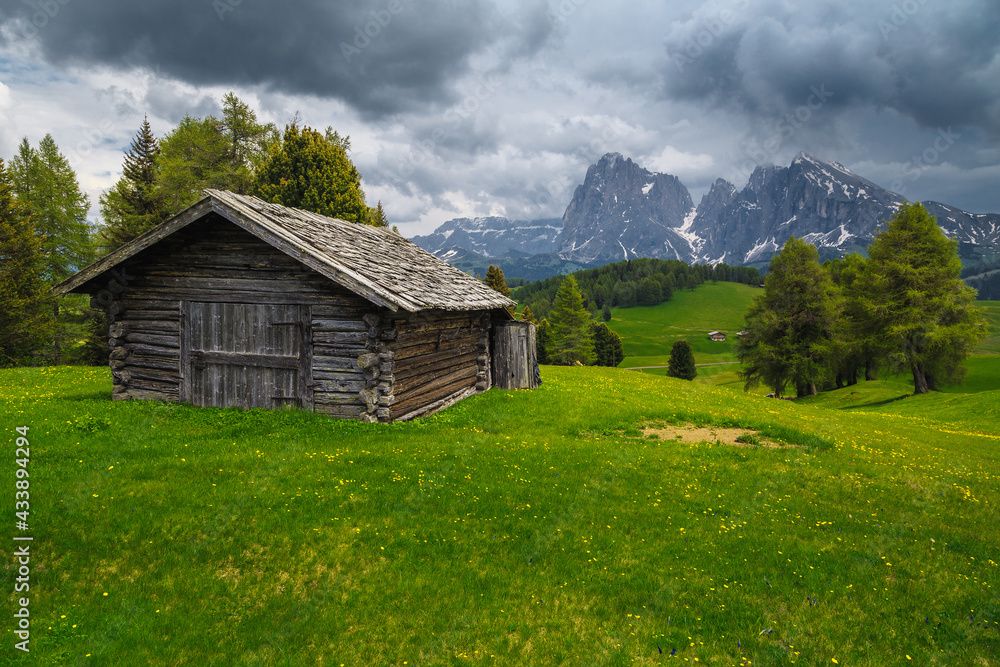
238	302
717	336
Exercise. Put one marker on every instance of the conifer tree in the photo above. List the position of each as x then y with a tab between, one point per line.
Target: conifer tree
607	313
135	203
921	313
528	316
543	340
790	325
26	319
196	155
248	141
681	362
495	280
312	172
571	340
607	345
377	217
46	185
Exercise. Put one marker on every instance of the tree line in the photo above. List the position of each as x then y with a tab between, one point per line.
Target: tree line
569	335
904	308
635	282
45	236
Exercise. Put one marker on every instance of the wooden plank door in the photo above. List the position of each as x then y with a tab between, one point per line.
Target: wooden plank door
246	355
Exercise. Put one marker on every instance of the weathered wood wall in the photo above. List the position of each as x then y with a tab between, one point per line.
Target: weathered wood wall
214	261
515	359
436	355
366	363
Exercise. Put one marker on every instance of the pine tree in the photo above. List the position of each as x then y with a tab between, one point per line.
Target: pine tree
26	319
918	309
607	345
790	325
135	203
312	172
681	362
571	337
528	316
543	341
607	313
377	218
495	280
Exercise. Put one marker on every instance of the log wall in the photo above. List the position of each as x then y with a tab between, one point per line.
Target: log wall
434	356
214	261
366	362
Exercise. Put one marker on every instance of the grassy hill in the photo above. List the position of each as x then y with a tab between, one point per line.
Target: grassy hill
648	333
495	533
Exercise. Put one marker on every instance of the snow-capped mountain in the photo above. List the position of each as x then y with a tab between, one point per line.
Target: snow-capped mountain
622	211
493	236
820	202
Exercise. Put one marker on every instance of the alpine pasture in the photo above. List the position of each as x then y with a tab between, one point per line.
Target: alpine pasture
533	527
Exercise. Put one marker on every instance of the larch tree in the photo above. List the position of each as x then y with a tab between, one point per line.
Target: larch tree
571	340
925	317
196	155
681	362
249	141
47	186
790	326
26	319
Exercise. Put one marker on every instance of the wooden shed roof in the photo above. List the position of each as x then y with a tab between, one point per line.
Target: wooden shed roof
375	263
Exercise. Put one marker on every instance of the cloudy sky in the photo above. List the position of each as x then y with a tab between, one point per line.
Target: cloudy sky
461	108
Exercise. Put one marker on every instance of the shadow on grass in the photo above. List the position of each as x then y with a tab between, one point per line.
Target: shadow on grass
875	404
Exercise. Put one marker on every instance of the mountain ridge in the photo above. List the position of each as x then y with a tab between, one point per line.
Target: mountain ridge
623	211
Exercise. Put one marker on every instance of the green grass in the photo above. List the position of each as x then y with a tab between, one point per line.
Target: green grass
991	309
530	528
648	333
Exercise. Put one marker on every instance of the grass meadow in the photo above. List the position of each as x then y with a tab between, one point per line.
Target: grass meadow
516	528
530	528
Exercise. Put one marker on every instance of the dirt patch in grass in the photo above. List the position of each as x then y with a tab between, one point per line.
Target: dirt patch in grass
691	434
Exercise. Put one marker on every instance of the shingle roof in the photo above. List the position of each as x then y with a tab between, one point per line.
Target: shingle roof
376	263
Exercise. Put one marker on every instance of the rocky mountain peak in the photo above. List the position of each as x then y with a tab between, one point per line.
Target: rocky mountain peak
623	210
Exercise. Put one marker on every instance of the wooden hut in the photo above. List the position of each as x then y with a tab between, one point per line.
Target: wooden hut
716	336
238	302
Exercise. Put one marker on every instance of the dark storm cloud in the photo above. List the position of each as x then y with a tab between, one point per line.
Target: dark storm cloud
378	56
937	64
